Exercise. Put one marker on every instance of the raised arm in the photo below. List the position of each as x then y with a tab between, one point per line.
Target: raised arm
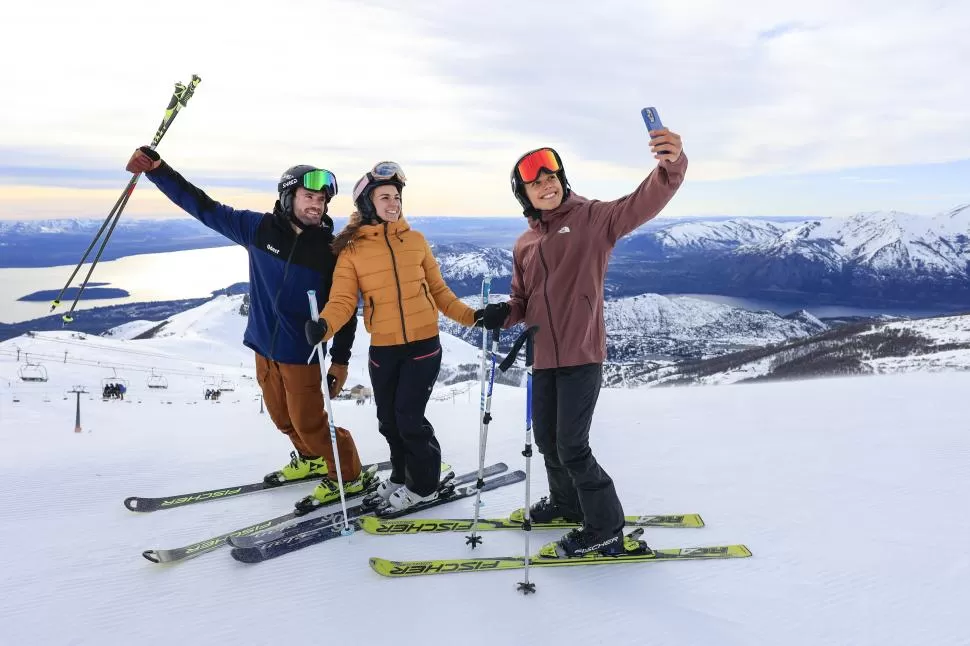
239	226
617	218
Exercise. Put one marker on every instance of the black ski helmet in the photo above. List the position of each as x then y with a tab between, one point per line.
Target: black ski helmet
296	176
383	174
518	183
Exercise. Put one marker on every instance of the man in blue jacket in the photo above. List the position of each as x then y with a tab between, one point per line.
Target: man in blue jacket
289	253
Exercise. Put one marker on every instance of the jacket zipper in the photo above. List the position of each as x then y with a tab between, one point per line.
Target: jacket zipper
276	302
545	293
397	282
590	304
424	286
371	321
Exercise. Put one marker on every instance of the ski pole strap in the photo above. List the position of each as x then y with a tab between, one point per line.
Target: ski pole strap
513	354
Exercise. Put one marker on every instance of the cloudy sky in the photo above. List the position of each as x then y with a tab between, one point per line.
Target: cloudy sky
785	108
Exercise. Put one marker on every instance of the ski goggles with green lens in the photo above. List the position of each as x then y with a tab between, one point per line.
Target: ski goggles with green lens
319	180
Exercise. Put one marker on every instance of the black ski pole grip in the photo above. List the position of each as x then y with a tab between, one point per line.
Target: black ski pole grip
517	346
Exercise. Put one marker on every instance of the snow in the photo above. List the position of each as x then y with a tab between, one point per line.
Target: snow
845	490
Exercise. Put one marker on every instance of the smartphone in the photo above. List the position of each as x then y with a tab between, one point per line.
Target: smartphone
651	119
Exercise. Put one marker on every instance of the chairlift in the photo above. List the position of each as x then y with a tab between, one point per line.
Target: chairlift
119	381
157	381
32	372
227	385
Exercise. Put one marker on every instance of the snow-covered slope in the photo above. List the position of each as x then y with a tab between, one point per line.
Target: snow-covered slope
202	345
851	510
927	345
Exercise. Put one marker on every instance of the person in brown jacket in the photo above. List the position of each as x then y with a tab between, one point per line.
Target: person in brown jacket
382	258
289	253
558	280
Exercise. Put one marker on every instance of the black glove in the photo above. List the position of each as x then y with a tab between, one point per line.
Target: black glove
493	316
143	160
315	331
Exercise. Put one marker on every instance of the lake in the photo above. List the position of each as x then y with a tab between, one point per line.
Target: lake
147	277
198	272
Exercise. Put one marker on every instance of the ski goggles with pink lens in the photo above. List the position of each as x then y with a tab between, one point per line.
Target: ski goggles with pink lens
382	172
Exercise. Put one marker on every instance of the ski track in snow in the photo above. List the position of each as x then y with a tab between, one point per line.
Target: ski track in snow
849	492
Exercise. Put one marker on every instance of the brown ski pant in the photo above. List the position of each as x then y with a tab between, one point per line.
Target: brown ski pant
293	396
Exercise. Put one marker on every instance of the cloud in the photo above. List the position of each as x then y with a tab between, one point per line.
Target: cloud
456	91
754	87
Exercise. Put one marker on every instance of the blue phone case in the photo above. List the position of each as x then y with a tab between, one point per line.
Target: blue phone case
651	119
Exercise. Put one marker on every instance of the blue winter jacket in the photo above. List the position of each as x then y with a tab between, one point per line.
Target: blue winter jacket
282	267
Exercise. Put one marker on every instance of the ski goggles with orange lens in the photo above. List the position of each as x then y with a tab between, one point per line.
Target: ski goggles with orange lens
529	166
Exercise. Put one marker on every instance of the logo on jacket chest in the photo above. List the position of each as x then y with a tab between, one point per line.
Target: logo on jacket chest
273	249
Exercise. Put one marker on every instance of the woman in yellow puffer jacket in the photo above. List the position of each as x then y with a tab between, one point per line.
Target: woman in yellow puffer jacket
381	257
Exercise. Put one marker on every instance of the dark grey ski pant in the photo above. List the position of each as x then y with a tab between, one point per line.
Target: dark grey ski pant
563	400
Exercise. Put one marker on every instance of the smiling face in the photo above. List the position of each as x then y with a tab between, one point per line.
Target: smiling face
387	203
546	192
308	206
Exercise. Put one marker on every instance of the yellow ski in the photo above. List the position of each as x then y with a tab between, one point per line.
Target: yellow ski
397	569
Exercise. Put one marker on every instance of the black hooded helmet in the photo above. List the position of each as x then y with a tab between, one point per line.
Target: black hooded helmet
383	174
547	159
310	178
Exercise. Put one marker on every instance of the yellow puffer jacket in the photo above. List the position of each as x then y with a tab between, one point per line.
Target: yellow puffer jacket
392	265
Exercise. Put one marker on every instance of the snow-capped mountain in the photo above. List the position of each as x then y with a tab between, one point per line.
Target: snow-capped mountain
464	264
716	235
649	326
888	243
874	259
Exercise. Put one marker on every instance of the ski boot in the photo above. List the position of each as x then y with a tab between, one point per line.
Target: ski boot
301	467
580	543
544	511
328	493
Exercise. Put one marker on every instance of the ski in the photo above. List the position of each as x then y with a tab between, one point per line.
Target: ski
138	503
210	544
380	526
312	524
398	569
293	542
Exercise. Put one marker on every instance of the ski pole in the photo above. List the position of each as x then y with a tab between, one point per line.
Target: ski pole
474	539
314	313
528	338
180	97
484	415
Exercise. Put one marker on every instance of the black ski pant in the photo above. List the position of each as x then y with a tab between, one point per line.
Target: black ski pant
563	400
402	377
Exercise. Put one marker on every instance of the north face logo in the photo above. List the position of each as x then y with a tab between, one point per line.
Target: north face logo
564	230
273	249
